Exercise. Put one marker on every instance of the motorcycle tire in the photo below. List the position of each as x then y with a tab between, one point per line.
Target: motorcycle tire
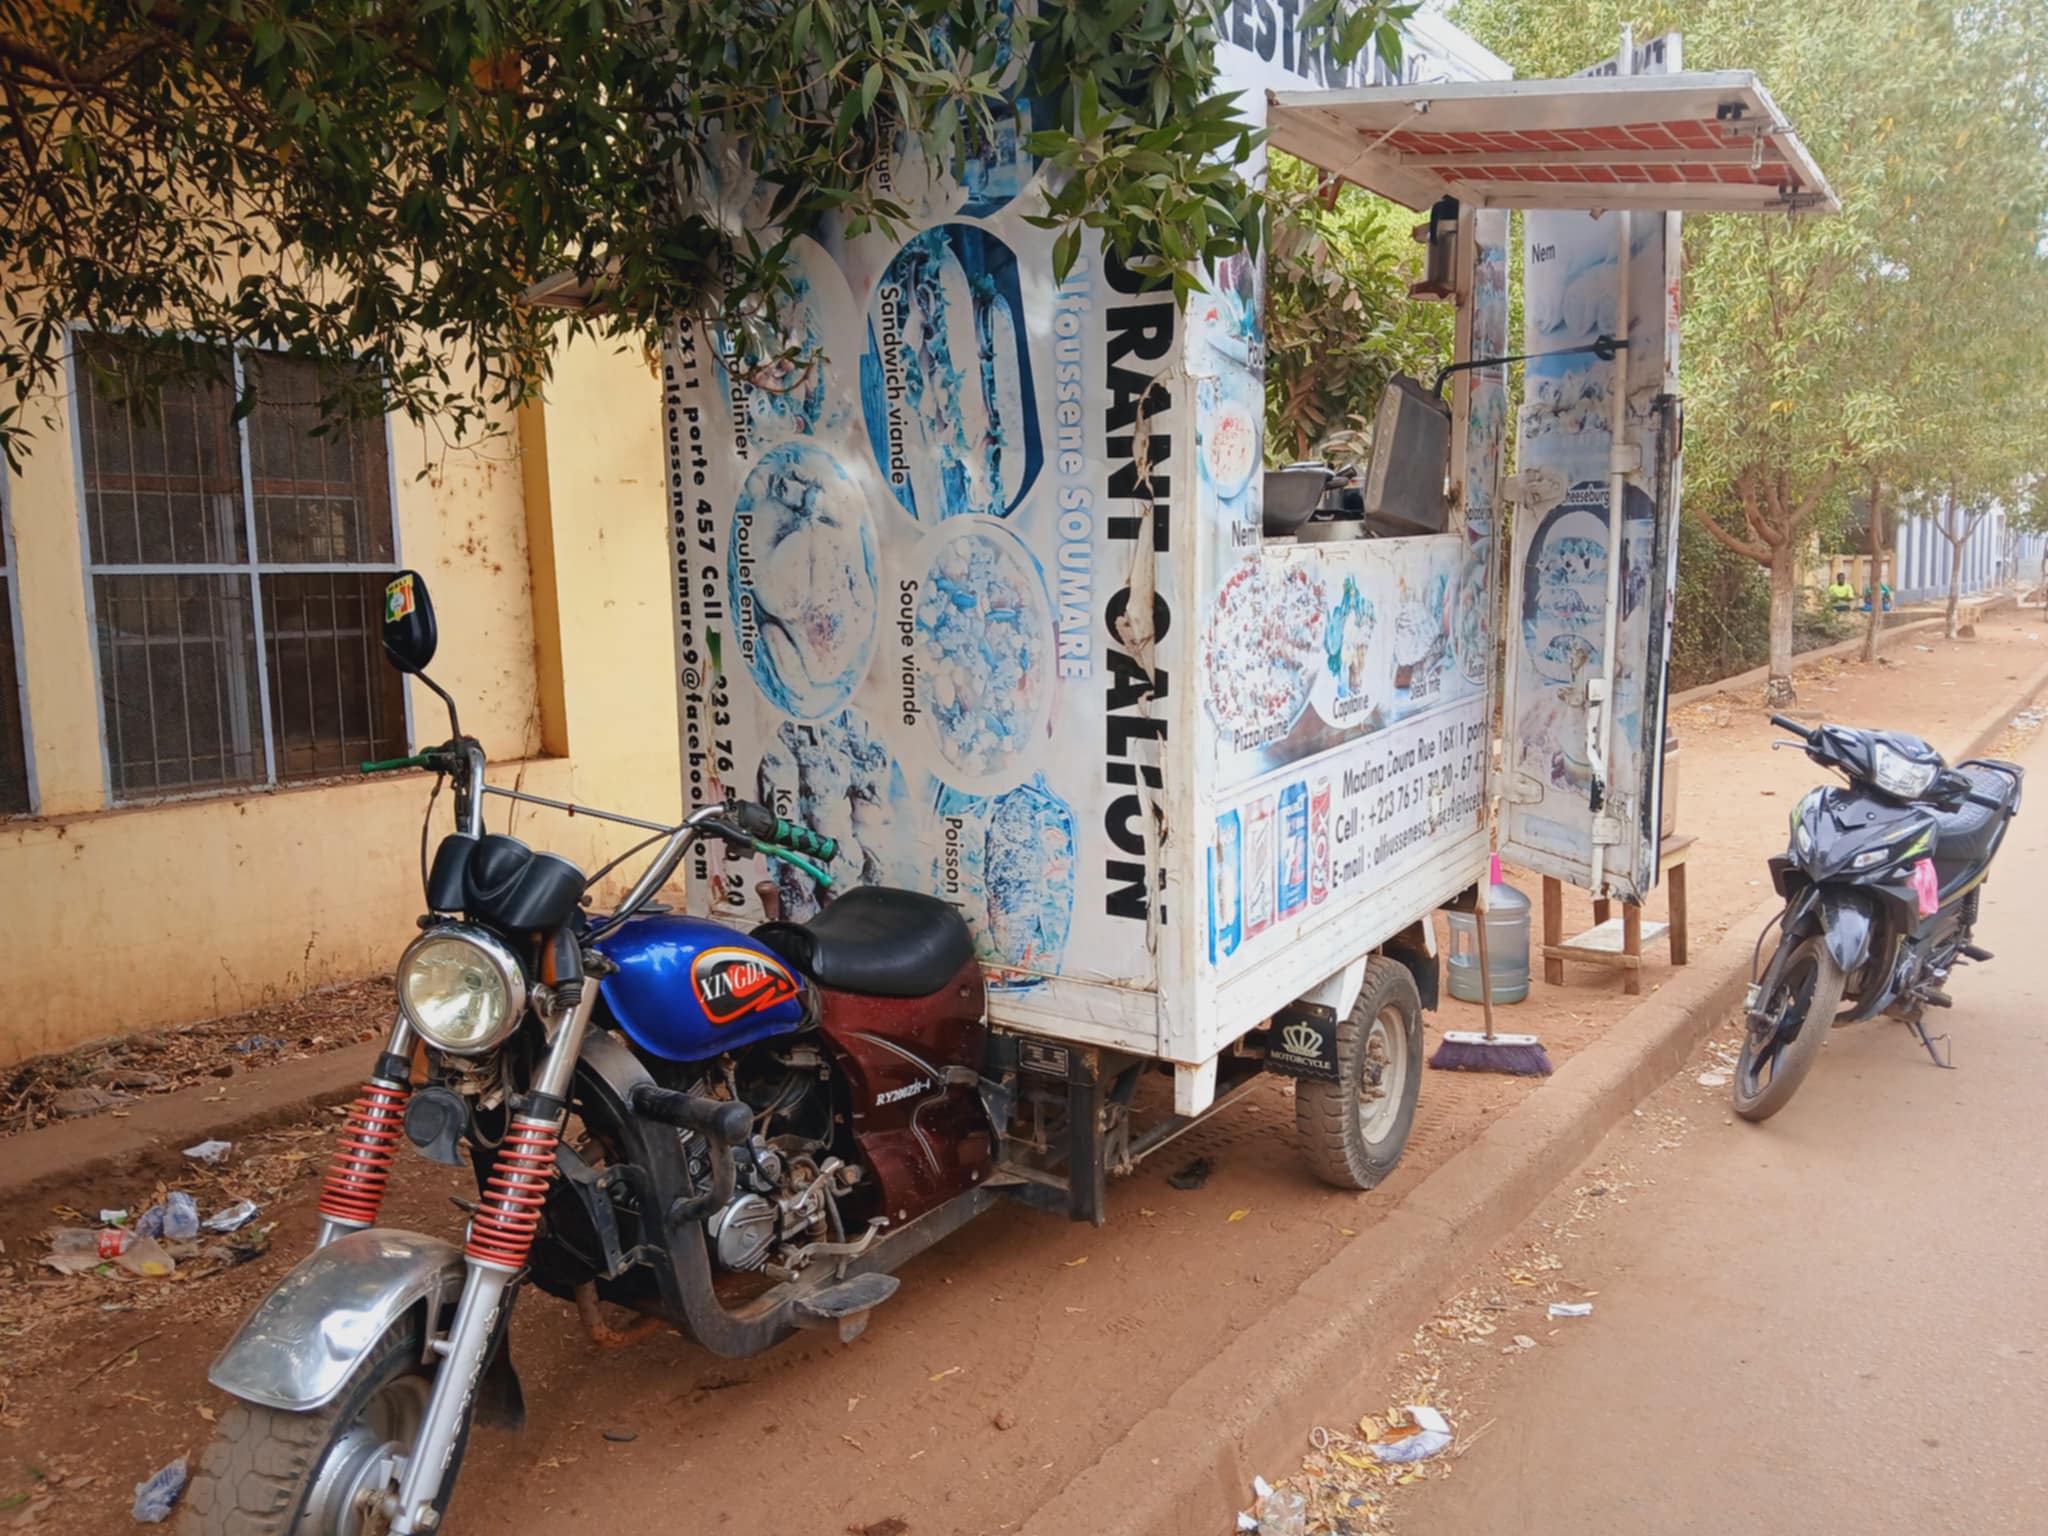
1355	1129
262	1468
1757	1100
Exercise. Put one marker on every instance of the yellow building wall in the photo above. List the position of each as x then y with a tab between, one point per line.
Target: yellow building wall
128	918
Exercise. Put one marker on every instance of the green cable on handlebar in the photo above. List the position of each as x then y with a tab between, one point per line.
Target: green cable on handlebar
390	764
791	857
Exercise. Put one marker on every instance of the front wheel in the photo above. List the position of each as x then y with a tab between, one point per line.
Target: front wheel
270	1472
1803	992
1355	1129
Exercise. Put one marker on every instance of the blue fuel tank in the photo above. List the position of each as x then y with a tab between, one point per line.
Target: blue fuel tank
688	988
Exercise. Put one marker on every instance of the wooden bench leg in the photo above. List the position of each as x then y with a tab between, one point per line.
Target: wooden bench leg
1553	929
1603	909
1677	879
1632	944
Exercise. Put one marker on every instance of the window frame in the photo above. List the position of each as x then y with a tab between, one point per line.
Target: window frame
10	583
253	570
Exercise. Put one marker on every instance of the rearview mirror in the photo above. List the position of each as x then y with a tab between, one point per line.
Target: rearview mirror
409	633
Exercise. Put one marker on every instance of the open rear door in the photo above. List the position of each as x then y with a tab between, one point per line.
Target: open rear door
1582	736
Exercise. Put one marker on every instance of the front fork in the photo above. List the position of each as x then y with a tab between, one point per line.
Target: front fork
500	1234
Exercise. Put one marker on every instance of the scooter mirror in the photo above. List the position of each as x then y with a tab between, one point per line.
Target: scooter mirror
409	633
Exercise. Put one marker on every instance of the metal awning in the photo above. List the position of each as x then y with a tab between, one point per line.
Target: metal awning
1702	142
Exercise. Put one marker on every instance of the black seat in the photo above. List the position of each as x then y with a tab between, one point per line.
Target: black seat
1965	835
877	941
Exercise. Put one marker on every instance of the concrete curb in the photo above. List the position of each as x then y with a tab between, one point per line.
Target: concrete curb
1187	1463
83	1154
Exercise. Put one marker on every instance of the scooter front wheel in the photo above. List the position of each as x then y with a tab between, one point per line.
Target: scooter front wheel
1802	995
270	1472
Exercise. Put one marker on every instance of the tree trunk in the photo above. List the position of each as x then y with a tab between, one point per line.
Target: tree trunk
1955	565
1778	692
1876	582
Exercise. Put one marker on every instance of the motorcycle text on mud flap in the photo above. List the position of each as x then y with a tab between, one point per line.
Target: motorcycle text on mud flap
1881	884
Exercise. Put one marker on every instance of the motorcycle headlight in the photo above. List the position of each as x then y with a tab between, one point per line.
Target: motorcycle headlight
461	988
1899	775
1801	838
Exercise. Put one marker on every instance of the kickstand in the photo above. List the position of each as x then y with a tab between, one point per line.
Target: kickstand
1944	1060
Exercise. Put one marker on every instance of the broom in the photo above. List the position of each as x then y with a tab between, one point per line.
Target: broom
1464	1051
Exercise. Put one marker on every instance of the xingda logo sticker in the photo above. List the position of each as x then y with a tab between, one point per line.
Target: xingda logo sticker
732	983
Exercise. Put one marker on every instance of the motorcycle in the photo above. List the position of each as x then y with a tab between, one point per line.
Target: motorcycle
735	1134
1881	884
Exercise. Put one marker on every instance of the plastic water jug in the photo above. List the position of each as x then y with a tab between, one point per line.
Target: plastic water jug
1507	944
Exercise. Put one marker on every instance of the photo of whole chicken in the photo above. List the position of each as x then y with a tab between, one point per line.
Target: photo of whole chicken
802	568
1262	647
984	657
836	777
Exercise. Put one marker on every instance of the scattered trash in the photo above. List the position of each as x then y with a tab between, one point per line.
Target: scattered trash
74	1103
150	1223
154	1498
145	1256
78	1250
112	1218
232	1218
1523	1341
1713	1079
181	1217
1280	1512
621	1436
211	1153
1571	1309
255	1043
1193	1176
1927	648
1428	1434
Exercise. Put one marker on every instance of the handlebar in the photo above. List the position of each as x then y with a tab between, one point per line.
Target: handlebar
764	826
393	764
1802	732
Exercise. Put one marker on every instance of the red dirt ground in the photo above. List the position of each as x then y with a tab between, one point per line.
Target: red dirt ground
1070	1333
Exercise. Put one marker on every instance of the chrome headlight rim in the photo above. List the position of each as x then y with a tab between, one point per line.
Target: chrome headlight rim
504	964
1896	774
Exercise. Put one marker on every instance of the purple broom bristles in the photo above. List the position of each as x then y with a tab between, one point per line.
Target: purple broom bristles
1512	1055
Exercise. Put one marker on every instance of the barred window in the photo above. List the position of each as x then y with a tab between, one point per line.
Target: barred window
236	572
14	795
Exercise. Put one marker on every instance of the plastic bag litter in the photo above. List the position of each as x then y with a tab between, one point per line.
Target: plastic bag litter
146	1257
154	1497
1282	1512
211	1153
181	1217
150	1223
1430	1436
232	1218
1571	1309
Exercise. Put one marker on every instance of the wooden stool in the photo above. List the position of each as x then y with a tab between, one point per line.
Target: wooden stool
1618	945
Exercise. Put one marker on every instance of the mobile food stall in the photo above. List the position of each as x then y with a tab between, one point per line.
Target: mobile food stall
985	590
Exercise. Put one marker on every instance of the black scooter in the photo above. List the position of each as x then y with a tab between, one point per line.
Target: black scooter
1881	884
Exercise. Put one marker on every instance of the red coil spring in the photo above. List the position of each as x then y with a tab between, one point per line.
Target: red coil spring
361	1165
503	1228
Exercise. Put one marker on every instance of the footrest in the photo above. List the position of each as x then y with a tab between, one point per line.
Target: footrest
844	1306
1976	952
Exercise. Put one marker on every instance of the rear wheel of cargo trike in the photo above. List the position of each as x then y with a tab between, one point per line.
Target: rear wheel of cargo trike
1355	1129
270	1472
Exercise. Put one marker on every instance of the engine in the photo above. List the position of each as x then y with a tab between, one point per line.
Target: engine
787	1181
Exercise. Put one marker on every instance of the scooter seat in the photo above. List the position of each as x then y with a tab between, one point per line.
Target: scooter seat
877	941
1965	834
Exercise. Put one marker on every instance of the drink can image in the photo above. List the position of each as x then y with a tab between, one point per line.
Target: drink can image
1258	867
1319	843
1293	848
1226	874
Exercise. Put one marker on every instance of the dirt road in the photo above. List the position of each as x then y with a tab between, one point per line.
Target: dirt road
1827	1323
1013	1354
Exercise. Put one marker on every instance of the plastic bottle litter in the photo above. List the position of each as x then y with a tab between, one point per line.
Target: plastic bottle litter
1571	1309
1282	1512
181	1217
1431	1435
211	1153
232	1218
78	1250
154	1498
145	1256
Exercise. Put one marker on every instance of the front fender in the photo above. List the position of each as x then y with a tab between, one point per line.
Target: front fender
1846	924
299	1346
